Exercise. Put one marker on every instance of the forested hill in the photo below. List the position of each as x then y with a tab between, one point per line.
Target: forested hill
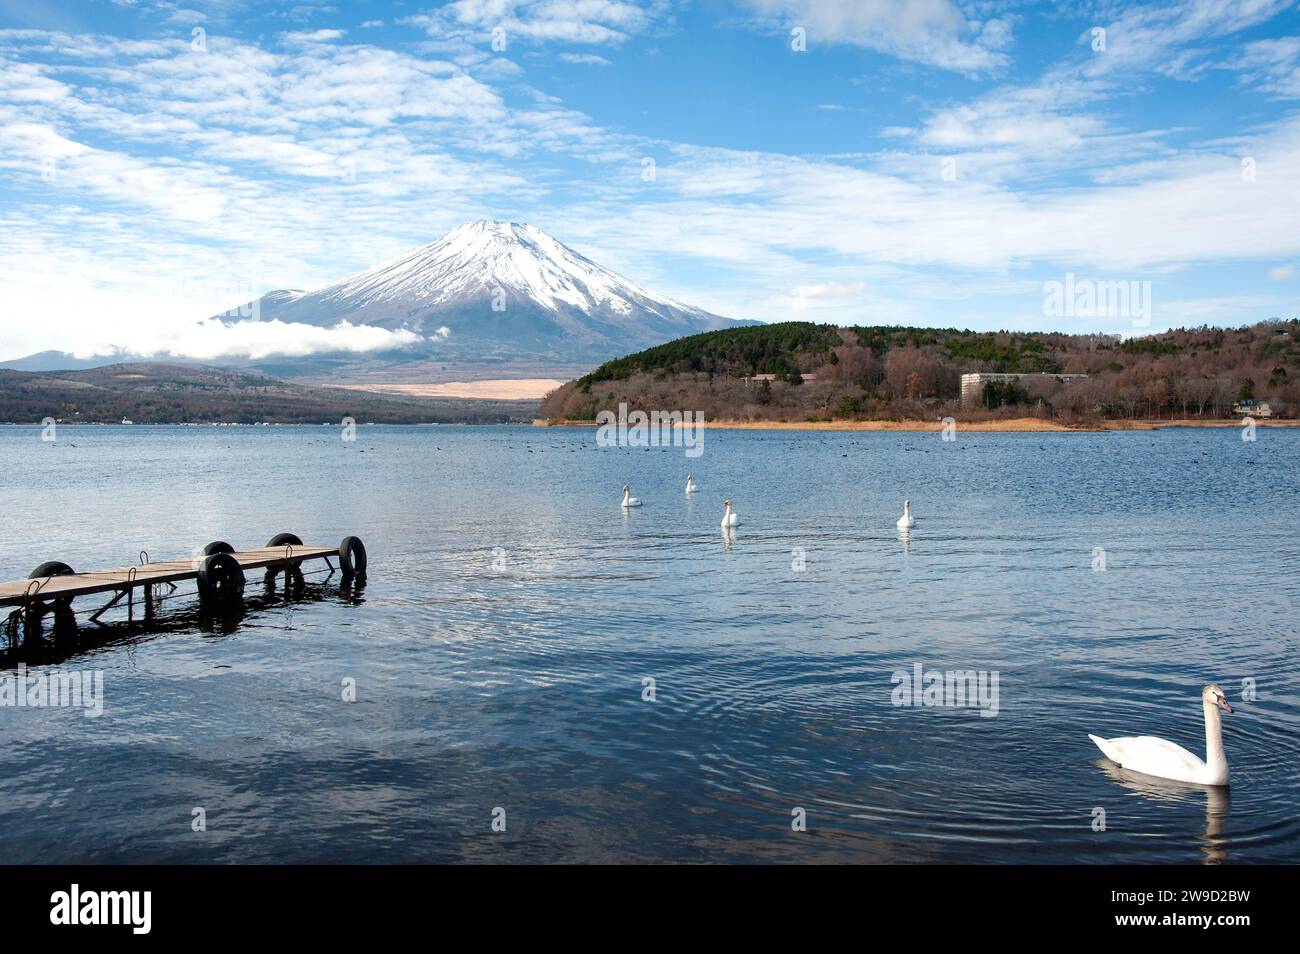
866	372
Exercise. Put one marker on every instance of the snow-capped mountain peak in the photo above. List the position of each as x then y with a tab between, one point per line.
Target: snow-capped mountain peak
484	257
503	289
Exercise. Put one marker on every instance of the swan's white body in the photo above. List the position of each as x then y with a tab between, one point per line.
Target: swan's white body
905	522
729	517
628	499
690	484
1165	759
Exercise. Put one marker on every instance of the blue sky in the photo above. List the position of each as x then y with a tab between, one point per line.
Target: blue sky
927	162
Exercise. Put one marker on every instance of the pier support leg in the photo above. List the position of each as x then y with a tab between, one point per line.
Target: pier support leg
32	628
94	617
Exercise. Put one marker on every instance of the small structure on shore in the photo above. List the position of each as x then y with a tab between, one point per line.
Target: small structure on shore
972	385
811	376
1252	408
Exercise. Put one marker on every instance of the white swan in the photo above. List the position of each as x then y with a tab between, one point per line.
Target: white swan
729	517
1152	756
628	499
906	521
690	484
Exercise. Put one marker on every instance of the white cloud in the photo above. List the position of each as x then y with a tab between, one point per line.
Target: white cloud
1272	66
181	191
1193	207
1064	121
1169	38
584	59
934	32
831	291
309	37
1281	273
208	340
186	17
1023	117
591	22
102	311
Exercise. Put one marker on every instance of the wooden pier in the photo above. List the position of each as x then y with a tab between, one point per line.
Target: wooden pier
219	574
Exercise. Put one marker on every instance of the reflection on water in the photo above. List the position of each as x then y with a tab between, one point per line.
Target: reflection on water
58	635
499	649
1214	844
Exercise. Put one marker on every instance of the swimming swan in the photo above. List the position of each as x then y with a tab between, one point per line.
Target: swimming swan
729	517
628	499
906	521
690	484
1158	757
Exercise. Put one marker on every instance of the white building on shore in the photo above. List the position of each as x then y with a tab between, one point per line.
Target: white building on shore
1250	408
972	385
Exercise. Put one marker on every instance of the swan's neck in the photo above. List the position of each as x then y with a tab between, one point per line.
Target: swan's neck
907	508
1215	757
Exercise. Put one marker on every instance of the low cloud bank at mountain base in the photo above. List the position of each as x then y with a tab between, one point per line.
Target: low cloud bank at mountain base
210	340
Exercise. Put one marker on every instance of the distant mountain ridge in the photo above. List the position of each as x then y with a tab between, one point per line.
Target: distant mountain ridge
62	361
161	393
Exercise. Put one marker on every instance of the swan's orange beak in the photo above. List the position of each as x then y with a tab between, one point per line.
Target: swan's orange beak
1223	704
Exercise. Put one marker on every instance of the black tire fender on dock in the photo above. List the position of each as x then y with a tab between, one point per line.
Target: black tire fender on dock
221	580
218	546
294	569
53	568
352	557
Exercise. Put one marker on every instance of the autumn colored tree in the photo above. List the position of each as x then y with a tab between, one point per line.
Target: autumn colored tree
913	386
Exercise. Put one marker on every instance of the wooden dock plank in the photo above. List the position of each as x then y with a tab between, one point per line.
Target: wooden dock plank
14	593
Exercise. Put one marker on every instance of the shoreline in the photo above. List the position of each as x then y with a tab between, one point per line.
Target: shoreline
1017	425
492	389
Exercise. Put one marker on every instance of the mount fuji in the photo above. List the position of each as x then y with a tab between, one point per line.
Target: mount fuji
497	292
487	300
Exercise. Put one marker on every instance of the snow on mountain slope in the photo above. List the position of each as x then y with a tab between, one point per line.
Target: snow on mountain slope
498	289
481	255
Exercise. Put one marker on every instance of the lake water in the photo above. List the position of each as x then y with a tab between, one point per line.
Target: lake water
512	614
